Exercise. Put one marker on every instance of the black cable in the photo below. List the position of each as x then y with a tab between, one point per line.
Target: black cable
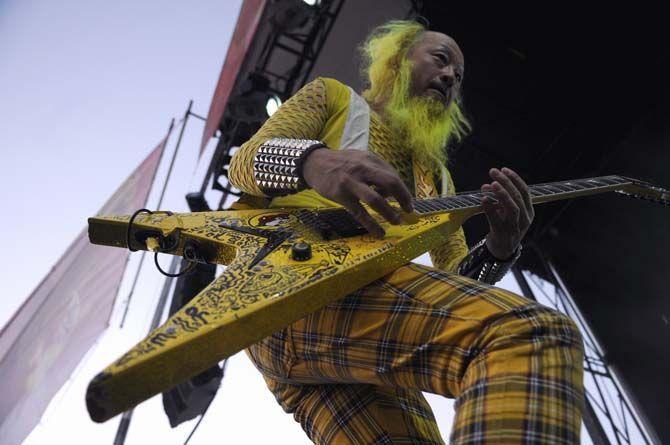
202	416
188	268
130	226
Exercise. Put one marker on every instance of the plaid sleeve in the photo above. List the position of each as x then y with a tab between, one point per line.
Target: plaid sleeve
301	117
448	256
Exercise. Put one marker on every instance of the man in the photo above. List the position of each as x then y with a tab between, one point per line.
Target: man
353	371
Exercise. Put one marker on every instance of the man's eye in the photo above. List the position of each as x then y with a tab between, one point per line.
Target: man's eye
442	58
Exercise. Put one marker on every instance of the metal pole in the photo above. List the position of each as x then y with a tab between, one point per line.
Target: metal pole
160	201
122	431
174	155
593	425
139	266
127	416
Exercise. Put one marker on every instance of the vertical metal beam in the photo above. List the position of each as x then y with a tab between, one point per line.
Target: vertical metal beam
611	414
126	417
141	263
160	199
593	426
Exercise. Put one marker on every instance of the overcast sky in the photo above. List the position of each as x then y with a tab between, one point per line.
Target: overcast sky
87	89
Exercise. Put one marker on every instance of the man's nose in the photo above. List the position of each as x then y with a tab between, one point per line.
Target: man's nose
448	75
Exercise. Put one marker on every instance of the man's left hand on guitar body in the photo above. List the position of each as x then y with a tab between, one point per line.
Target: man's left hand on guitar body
511	216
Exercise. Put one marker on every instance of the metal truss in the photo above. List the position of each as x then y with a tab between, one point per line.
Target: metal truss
298	48
611	415
302	46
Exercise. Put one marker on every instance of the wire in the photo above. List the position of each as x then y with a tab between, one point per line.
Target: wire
130	226
187	270
199	420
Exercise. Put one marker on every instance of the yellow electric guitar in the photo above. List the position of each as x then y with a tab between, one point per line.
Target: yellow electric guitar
282	264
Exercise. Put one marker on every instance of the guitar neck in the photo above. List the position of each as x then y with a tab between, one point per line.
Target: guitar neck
550	191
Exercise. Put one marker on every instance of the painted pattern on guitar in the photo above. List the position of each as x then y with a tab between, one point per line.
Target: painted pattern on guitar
263	288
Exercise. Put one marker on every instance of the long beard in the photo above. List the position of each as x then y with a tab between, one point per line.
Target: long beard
421	123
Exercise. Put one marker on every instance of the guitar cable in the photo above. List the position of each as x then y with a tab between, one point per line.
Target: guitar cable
188	269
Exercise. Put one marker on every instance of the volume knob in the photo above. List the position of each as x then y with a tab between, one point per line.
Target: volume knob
301	251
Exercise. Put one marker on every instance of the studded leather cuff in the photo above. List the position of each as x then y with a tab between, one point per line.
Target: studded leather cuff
278	165
481	265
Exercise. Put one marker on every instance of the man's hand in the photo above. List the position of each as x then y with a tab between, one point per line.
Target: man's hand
348	177
511	216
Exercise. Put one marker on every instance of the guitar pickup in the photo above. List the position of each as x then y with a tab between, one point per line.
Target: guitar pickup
331	224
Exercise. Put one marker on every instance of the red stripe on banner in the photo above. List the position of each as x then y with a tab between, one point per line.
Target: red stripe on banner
247	23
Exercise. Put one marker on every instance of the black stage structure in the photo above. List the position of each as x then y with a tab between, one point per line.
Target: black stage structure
555	93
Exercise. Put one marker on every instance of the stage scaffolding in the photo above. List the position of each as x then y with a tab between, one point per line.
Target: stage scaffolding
299	48
611	414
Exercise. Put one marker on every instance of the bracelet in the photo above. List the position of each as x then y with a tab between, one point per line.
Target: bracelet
278	165
481	265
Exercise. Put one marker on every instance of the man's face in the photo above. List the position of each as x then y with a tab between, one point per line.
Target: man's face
437	67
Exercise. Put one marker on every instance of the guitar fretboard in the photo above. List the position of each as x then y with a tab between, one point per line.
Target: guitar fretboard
537	192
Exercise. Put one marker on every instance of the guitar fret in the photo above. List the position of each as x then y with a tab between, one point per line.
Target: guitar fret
439	205
570	186
556	188
609	180
545	190
595	183
460	202
471	200
474	199
422	206
562	188
575	186
585	184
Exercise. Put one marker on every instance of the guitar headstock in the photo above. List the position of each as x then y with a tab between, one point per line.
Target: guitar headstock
645	190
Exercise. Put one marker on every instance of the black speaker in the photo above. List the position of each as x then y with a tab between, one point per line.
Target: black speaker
191	398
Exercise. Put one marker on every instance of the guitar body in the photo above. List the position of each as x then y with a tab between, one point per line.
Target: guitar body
283	264
257	294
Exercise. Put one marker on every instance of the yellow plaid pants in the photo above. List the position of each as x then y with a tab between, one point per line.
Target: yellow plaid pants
353	372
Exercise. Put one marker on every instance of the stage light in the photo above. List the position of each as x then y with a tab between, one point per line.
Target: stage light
292	14
273	103
255	100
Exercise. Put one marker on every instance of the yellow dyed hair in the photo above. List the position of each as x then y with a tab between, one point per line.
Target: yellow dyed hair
385	68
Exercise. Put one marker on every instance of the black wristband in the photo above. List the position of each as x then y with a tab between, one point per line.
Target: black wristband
300	163
481	265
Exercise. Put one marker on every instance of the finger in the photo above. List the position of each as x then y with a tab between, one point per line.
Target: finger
509	206
521	186
493	216
361	215
380	205
392	185
509	186
488	196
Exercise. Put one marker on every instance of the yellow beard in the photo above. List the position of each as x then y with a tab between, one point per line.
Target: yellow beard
424	124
